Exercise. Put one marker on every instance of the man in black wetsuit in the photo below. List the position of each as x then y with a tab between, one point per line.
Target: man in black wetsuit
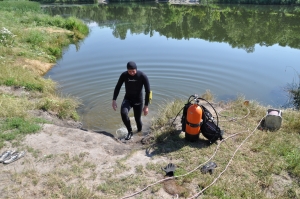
134	82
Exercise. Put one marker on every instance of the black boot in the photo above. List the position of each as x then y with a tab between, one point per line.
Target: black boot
129	135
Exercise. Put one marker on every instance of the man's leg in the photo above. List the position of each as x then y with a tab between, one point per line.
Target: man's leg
125	108
137	110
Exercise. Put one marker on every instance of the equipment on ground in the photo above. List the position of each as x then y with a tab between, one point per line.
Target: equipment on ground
272	120
209	128
196	118
5	155
169	169
209	167
10	156
191	119
14	156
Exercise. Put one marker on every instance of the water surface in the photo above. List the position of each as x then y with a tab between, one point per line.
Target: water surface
184	50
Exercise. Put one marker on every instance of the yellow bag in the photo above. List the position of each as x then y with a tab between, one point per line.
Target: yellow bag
150	97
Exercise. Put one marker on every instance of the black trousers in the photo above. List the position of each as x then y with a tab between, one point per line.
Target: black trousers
137	111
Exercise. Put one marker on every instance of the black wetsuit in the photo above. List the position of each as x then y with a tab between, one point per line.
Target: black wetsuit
133	97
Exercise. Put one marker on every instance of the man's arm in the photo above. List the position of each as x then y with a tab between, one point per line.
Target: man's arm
118	87
117	91
147	91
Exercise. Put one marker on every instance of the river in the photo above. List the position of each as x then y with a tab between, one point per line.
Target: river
231	50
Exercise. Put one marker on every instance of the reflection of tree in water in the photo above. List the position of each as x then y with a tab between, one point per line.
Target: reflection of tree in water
296	97
240	26
250	49
120	31
293	90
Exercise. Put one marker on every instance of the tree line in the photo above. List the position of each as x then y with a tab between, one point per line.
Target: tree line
239	26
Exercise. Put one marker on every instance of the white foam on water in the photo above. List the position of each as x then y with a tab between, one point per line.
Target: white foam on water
121	132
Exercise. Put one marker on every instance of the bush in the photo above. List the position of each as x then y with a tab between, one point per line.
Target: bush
294	94
296	97
6	37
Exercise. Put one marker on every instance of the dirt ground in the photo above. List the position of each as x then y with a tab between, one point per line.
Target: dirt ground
63	137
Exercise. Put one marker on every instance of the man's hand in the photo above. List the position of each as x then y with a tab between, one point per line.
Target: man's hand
114	104
145	109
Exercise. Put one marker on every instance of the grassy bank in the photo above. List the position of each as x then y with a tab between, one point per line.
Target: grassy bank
30	44
251	163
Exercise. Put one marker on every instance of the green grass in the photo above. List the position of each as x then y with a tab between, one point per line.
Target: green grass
12	106
15	128
31	34
119	185
21	77
64	107
20	6
28	34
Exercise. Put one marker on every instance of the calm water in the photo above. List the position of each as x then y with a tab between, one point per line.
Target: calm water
184	50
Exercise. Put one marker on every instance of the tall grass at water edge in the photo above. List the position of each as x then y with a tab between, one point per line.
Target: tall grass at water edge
30	33
27	36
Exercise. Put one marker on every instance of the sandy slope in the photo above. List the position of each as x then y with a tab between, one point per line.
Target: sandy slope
47	149
52	149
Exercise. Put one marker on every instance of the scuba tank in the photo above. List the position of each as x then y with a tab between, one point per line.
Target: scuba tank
197	119
191	120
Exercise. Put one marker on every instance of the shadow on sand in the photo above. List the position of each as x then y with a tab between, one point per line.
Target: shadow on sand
173	141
